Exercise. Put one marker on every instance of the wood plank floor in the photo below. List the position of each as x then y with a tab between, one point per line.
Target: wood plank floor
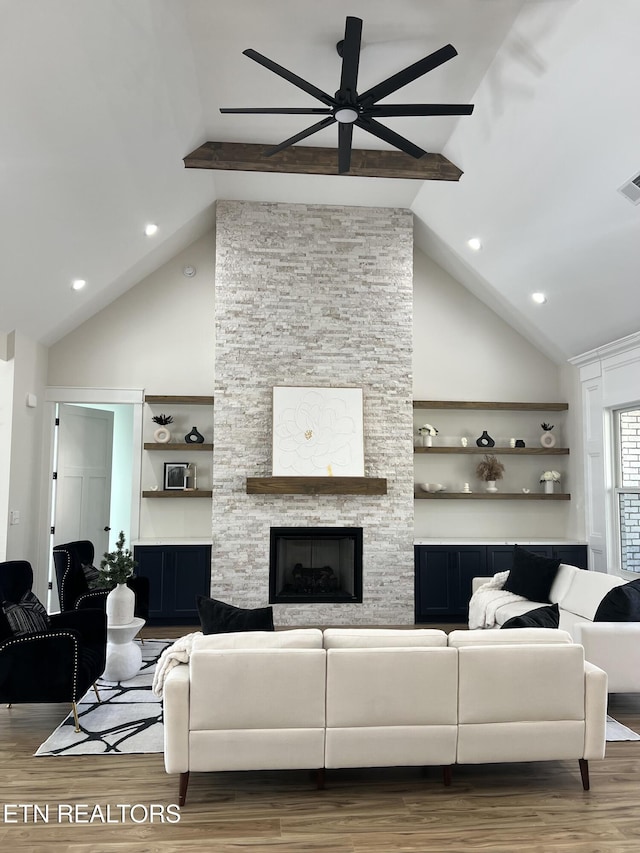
506	808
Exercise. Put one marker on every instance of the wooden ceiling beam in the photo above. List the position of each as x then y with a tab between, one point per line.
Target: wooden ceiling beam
307	160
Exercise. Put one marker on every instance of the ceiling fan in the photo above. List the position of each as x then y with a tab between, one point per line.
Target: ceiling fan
348	108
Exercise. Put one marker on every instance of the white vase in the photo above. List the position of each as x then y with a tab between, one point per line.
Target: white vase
548	487
427	440
162	435
121	602
548	439
491	486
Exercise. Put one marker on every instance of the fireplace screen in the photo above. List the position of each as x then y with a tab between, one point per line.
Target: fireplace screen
315	564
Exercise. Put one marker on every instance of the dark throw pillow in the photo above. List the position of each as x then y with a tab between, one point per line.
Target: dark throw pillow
217	617
531	575
620	604
541	617
91	574
28	616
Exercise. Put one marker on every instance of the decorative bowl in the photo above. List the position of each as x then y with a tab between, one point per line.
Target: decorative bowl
432	487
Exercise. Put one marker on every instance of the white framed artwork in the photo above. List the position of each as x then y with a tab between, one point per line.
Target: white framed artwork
318	432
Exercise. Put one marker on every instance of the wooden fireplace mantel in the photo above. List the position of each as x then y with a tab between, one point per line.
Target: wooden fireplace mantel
316	486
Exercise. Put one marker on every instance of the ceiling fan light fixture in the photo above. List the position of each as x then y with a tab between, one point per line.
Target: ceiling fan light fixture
346	115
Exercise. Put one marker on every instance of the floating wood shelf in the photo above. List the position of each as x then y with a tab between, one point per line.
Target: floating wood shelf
185	401
490	496
177	493
316	486
511	451
184	445
498	406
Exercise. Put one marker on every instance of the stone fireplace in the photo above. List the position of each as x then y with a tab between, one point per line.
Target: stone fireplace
313	295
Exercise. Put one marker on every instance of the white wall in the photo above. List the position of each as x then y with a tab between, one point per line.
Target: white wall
463	351
6	415
29	373
157	336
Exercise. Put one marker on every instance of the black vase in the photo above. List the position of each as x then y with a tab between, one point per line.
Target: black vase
485	440
194	437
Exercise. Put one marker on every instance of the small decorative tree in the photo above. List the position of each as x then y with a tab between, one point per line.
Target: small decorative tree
117	566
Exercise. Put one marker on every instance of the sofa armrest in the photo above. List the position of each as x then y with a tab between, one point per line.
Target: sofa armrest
615	648
595	711
477	582
176	719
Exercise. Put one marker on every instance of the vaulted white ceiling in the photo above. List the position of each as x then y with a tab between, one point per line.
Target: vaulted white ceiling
101	101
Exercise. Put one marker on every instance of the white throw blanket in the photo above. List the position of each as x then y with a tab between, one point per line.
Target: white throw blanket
179	652
486	600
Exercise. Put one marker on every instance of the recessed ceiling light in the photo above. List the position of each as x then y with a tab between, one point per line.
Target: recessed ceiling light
475	244
78	284
150	229
539	298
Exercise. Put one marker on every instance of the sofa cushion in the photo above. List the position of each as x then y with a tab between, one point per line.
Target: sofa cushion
528	636
294	638
587	591
541	617
562	582
26	616
531	575
380	638
620	604
217	617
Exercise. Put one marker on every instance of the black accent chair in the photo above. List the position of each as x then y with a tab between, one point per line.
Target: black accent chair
73	589
56	665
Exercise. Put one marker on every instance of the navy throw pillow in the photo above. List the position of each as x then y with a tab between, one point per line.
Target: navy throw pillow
217	617
620	604
541	617
531	575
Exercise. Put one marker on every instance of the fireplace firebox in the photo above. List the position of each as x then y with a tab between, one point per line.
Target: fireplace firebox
315	565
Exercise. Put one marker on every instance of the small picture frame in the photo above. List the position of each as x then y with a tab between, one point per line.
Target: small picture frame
175	476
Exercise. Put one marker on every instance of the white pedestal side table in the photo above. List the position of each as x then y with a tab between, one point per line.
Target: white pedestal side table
124	657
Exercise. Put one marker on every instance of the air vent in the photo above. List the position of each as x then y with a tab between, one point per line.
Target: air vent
631	189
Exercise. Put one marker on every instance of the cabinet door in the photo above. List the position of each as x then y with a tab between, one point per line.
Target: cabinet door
433	589
471	562
192	574
573	555
151	565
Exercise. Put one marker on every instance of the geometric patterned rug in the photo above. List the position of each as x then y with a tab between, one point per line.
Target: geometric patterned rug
127	720
616	731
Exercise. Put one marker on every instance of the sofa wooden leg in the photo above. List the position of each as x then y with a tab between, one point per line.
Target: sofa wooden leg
74	707
584	772
182	792
95	690
446	774
320	777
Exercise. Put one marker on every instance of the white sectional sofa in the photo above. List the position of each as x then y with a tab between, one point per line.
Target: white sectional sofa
612	646
307	699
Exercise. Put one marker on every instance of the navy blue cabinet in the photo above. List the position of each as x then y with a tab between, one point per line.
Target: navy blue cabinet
443	574
177	574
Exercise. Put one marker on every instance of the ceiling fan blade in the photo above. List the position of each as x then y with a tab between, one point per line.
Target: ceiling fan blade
389	110
407	75
390	136
309	88
320	125
345	134
351	56
285	111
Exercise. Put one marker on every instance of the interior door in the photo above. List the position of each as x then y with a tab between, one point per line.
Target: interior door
83	493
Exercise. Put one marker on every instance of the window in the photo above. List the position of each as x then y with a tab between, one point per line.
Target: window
627	487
